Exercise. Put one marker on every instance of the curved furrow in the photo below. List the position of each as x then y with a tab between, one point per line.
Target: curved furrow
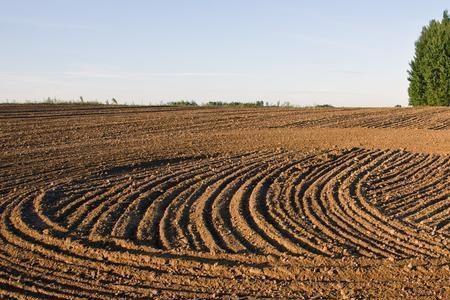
323	221
146	194
75	217
348	210
16	232
280	216
245	225
329	199
202	211
389	173
21	234
149	225
415	176
403	188
352	200
61	284
183	217
413	170
284	210
271	225
431	210
408	199
88	209
395	234
298	199
173	233
440	218
129	222
420	203
102	221
220	187
98	220
408	196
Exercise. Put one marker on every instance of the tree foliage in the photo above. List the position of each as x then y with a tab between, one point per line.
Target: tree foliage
429	74
235	104
182	103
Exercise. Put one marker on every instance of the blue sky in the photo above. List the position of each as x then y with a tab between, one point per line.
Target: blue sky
344	53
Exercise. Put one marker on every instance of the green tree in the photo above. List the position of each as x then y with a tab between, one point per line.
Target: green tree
429	74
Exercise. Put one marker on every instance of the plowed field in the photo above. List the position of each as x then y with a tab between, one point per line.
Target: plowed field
101	202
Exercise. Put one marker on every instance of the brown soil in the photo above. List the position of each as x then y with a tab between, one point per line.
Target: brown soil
137	202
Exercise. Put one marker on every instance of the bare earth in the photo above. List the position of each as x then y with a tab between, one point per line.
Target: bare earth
137	202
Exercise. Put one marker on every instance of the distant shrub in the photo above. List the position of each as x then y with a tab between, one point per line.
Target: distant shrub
81	101
235	104
183	103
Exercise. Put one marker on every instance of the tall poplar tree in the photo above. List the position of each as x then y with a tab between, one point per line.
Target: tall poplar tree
429	74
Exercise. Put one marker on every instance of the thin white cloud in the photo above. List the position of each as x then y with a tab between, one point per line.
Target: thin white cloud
350	72
66	77
44	24
39	78
326	42
317	40
321	92
143	76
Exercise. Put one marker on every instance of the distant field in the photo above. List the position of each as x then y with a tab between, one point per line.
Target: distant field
164	202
